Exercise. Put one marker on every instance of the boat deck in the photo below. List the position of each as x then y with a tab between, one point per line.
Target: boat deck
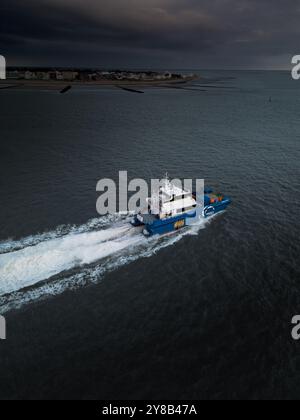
149	218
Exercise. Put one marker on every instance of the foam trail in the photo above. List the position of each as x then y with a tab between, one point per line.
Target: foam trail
31	265
60	231
67	262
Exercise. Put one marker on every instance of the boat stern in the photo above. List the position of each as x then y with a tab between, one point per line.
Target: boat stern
137	221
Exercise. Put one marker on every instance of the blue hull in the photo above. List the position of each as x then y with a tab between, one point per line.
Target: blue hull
161	227
172	224
215	208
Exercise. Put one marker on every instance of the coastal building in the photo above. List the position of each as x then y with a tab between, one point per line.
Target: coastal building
29	75
104	74
70	75
15	75
94	77
84	76
52	75
43	75
133	76
59	75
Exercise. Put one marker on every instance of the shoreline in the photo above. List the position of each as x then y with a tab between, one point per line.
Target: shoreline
10	83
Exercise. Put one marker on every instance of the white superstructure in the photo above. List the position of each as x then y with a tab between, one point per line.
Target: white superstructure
171	201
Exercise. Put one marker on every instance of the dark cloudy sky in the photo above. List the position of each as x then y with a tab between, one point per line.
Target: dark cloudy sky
150	33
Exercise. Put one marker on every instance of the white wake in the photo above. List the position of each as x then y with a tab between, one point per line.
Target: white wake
70	257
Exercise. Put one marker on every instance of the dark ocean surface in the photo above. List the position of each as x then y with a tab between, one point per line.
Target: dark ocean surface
96	311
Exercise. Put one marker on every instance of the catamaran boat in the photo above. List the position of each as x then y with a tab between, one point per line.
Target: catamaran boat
174	208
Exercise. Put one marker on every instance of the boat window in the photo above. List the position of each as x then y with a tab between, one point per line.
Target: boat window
188	208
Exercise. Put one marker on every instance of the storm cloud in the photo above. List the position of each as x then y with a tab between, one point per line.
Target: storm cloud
150	33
